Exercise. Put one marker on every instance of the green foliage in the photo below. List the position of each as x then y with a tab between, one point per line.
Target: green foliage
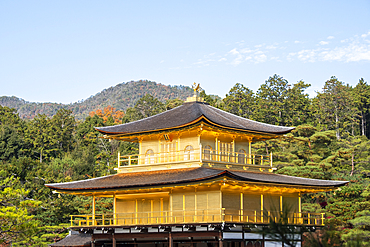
271	97
145	107
16	220
297	105
334	108
63	126
326	237
173	103
279	227
240	101
148	106
330	141
11	143
44	236
361	222
361	97
213	100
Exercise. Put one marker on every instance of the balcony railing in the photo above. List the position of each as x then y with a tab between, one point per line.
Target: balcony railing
196	155
191	217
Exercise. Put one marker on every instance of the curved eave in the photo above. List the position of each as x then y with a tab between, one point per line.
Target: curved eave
149	131
201	118
216	175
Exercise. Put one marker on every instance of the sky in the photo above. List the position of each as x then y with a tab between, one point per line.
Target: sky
66	51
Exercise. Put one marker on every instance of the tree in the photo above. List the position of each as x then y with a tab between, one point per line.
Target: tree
15	219
279	227
11	134
353	152
172	103
63	127
39	134
305	153
45	235
145	107
271	98
213	100
11	143
297	105
280	103
9	116
361	222
109	112
148	106
345	204
361	96
240	101
334	108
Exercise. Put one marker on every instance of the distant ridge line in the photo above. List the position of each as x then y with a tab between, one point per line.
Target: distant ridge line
121	97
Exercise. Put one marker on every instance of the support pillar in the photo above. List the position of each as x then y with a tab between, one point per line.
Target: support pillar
262	211
220	243
93	210
114	209
170	240
113	241
249	161
300	220
141	154
92	243
242	244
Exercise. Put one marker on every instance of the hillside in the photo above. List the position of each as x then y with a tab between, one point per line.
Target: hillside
121	97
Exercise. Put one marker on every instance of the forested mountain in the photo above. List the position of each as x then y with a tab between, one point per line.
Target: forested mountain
330	141
121	97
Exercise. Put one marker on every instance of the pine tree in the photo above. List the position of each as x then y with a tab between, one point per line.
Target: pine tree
334	108
240	101
361	96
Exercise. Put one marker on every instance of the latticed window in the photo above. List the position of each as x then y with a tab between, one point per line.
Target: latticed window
189	153
168	152
149	156
207	152
226	149
241	156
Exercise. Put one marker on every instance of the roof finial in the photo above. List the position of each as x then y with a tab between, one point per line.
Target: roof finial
196	98
196	88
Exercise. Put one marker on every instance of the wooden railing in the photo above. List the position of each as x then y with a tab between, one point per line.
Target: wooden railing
189	217
236	158
199	155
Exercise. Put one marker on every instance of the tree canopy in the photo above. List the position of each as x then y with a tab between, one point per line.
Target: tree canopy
330	141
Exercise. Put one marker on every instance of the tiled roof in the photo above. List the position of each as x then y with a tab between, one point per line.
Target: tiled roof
190	113
74	240
184	176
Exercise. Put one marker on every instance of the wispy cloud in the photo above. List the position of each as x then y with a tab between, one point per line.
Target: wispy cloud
350	50
256	54
365	35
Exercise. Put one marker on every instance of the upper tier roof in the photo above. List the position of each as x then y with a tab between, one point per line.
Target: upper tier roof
186	176
191	113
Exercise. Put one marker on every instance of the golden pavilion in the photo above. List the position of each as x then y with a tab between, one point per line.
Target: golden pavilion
194	182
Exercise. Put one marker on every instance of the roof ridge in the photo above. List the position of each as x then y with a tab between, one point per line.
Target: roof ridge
243	118
213	110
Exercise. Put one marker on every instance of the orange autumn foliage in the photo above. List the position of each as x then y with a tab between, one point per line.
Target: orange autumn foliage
109	111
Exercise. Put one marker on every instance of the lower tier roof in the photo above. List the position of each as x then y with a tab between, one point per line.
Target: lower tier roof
186	176
77	240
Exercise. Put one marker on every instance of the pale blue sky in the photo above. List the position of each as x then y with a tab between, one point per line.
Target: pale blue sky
65	51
